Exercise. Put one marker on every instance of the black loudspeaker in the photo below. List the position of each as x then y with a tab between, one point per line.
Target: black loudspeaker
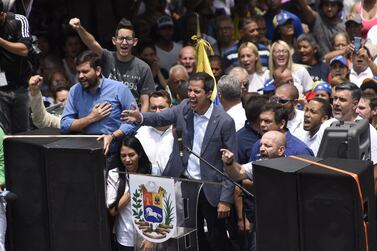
60	190
346	140
301	205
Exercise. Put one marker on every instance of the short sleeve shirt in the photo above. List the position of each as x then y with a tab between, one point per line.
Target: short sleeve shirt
136	74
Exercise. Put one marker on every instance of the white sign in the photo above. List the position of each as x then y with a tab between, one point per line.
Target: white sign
153	207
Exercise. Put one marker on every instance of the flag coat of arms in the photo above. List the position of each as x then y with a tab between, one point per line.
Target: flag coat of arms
153	207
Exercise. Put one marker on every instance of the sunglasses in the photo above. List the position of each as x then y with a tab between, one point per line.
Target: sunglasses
281	100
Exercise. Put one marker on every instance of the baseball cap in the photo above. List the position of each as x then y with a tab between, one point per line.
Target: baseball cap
164	21
322	86
340	59
281	19
369	83
354	18
268	86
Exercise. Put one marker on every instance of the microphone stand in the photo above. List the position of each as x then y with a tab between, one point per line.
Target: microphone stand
243	190
218	171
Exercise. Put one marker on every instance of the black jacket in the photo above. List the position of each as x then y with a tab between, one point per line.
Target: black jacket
17	69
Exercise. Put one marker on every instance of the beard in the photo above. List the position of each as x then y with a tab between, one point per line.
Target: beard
88	83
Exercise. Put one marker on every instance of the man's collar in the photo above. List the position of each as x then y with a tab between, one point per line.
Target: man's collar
207	114
366	71
102	78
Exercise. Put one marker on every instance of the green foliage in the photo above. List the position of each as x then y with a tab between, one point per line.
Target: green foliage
137	212
168	210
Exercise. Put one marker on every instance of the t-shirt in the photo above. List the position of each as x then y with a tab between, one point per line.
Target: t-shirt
319	71
246	137
168	58
301	78
324	32
123	226
256	81
136	74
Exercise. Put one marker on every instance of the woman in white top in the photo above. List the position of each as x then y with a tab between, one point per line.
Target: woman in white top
133	160
281	59
249	59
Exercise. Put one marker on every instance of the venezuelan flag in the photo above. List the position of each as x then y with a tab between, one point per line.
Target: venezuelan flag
202	61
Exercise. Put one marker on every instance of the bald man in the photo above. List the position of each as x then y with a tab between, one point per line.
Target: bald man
187	58
272	145
177	75
287	95
283	76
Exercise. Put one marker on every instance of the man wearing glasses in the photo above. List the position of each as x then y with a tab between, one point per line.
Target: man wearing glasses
287	96
121	65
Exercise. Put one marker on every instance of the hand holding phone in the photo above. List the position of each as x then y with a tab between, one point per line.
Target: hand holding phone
357	44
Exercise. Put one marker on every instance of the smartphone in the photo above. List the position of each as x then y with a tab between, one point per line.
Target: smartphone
357	44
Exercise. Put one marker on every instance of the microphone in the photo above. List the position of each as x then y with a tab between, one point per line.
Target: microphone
6	196
180	141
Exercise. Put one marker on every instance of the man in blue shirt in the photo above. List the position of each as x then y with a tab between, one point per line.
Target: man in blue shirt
249	134
95	103
275	117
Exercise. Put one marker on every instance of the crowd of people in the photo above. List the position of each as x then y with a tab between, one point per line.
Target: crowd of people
283	71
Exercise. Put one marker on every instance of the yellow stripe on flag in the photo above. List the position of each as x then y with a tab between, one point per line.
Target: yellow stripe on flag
202	61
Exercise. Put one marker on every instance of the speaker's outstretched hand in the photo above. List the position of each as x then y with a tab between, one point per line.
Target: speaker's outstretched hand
131	116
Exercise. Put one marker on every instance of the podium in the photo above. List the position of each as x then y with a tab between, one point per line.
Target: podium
184	236
59	184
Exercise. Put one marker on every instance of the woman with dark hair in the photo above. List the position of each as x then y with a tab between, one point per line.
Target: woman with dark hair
309	54
341	46
285	30
132	160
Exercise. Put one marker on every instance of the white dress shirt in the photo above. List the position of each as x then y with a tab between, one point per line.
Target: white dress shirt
238	115
296	125
359	78
200	126
315	141
158	146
